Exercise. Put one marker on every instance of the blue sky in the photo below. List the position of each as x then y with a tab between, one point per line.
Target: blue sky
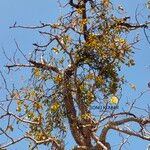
31	12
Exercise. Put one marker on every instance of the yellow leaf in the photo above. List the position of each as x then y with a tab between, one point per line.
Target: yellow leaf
58	79
55	50
18	109
100	80
55	25
36	72
15	95
83	21
90	96
86	116
105	3
18	102
133	86
32	93
80	10
89	76
9	127
37	105
61	61
82	87
66	39
38	119
114	100
55	107
40	136
30	114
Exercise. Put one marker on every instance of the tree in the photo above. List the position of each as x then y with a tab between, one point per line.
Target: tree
73	73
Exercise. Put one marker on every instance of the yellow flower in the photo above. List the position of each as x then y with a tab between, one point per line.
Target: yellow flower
114	100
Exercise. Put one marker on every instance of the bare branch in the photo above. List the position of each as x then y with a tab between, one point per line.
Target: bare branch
115	124
30	27
131	133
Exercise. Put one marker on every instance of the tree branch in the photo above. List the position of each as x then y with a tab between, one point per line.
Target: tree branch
45	66
130	133
115	124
